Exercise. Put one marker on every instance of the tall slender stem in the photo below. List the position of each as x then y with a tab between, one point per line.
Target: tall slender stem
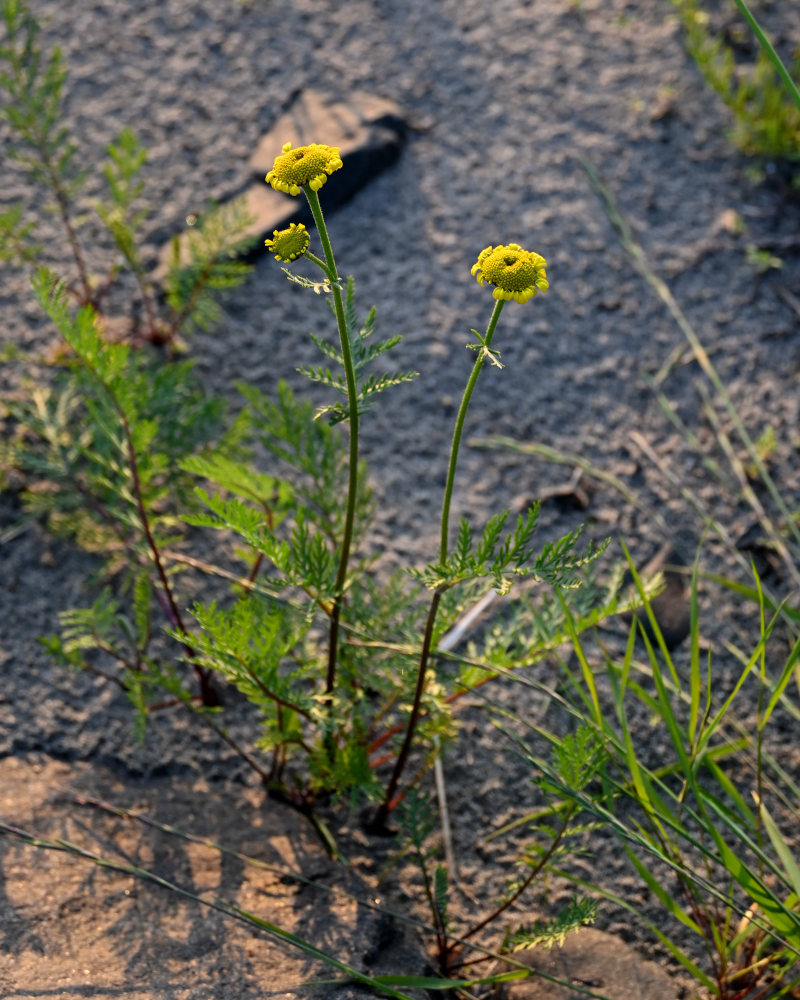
388	802
459	427
352	484
379	820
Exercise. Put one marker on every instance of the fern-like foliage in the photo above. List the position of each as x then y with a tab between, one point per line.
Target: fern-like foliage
364	353
440	896
318	287
546	933
348	775
33	82
126	158
16	245
293	514
306	561
578	757
107	439
103	625
248	644
267	650
502	557
384	619
232	514
312	454
271	496
122	631
204	264
537	623
207	260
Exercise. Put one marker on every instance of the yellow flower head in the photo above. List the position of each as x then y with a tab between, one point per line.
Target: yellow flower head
310	165
516	273
288	244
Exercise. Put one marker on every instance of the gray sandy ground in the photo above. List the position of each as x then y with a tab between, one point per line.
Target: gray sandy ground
505	100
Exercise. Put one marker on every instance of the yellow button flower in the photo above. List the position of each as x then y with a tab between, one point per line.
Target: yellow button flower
288	244
516	273
310	165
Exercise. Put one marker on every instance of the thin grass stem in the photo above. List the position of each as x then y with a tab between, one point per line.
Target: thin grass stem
642	265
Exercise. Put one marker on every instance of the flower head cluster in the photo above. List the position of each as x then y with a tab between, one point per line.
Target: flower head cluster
310	165
288	244
516	273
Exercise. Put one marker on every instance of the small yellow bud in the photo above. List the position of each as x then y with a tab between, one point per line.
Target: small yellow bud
288	244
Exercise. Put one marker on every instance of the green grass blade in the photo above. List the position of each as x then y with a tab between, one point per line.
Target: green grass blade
782	849
722	711
429	983
779	686
667	900
694	662
503	977
586	670
221	905
752	594
784	921
766	45
730	789
299	943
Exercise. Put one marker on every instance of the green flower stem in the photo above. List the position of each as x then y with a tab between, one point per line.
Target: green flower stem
320	263
389	802
459	427
352	396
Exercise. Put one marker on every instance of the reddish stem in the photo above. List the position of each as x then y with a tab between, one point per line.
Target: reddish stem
382	813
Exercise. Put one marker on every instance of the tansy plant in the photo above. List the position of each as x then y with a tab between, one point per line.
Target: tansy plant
344	665
353	673
497	558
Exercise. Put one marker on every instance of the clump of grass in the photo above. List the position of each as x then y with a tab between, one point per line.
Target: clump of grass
762	95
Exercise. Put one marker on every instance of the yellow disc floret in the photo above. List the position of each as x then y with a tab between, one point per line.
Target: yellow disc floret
516	273
310	165
288	244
